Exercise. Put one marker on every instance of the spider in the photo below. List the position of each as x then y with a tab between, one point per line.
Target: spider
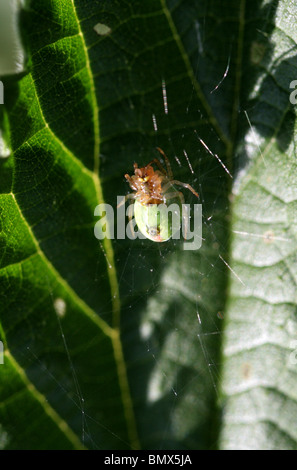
154	188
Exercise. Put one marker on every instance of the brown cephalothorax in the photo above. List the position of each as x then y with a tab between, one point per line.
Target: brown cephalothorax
153	186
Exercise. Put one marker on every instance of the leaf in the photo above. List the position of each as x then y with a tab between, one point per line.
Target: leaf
260	334
118	344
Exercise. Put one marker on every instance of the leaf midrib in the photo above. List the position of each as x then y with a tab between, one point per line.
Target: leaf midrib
110	267
113	332
48	409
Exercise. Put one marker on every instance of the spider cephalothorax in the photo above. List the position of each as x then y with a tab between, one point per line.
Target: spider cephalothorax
147	183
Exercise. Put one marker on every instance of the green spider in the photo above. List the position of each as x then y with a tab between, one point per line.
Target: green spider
154	193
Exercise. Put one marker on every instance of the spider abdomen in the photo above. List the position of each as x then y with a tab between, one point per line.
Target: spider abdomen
160	221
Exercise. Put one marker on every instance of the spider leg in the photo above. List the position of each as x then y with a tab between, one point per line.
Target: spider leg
156	161
184	185
130	211
129	179
175	194
169	170
185	213
185	208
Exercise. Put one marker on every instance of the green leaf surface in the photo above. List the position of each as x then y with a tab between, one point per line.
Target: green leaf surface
125	344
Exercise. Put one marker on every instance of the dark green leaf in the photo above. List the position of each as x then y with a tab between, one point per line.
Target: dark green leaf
118	344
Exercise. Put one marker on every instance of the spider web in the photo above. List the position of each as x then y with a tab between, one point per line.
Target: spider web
174	300
180	330
179	333
168	304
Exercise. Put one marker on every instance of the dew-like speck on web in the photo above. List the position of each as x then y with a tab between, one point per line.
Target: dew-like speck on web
232	270
224	76
189	163
214	155
164	92
268	236
103	251
178	161
155	123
